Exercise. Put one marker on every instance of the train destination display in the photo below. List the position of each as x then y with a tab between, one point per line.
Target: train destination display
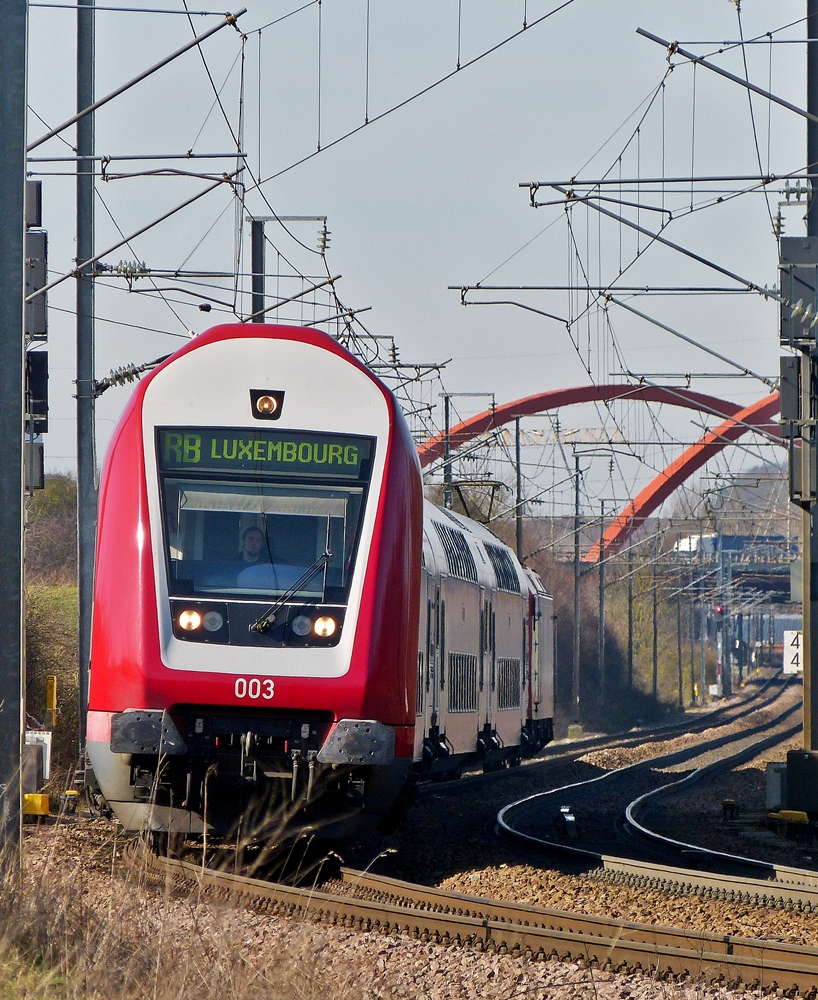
275	451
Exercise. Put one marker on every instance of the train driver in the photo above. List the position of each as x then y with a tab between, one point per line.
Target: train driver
252	543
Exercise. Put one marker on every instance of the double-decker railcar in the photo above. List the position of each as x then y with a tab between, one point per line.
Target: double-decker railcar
281	637
485	661
257	583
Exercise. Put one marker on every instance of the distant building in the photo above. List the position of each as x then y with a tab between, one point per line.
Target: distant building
753	548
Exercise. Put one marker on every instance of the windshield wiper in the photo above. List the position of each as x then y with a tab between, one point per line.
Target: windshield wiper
268	618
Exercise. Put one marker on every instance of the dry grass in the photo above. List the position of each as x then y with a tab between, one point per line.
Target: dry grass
51	648
77	924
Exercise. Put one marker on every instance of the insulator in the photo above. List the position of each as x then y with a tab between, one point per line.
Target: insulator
131	268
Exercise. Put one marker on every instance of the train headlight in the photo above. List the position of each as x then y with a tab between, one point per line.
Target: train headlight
324	626
266	405
190	620
212	621
301	625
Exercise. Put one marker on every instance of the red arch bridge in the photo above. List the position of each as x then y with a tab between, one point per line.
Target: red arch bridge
735	421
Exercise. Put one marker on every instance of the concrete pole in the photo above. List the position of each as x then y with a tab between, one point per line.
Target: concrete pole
655	621
86	431
703	647
679	639
518	508
630	607
447	454
809	532
12	256
575	673
692	630
602	609
257	256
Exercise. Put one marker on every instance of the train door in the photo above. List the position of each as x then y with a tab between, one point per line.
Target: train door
535	631
462	652
422	692
490	662
435	647
484	659
508	641
545	658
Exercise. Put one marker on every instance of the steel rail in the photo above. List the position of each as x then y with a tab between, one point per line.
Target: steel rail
641	804
407	894
633	737
523	806
506	928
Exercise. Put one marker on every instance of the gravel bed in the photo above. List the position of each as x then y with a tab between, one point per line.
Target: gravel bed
697	816
165	945
450	828
198	948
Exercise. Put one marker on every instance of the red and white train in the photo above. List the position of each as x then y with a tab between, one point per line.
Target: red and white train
284	632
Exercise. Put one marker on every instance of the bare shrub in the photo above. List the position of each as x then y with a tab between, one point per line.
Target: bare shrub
93	930
51	649
51	532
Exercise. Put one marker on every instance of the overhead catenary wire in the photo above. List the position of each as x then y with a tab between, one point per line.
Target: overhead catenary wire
658	238
673	49
228	179
229	20
695	343
420	93
752	112
151	278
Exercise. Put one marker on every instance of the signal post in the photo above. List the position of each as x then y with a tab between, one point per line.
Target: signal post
799	423
12	229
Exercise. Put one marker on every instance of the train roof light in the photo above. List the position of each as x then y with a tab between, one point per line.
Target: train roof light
266	404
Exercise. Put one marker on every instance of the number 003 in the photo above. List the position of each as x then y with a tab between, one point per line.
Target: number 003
254	688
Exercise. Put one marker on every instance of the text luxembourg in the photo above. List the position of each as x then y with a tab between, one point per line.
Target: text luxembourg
186	449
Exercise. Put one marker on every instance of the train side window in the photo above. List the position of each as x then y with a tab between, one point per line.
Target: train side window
419	695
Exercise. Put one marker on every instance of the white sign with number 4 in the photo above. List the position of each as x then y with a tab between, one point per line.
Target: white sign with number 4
793	663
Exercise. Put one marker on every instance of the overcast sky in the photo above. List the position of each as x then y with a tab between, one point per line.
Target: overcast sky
428	196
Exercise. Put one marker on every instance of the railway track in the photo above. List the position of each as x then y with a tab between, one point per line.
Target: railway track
535	811
368	902
765	694
365	901
726	876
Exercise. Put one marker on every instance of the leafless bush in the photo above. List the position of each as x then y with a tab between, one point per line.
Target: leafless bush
92	930
51	533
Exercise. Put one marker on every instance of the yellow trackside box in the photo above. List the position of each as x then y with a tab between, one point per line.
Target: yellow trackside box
35	804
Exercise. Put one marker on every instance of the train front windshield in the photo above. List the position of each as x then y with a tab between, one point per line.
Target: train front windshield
255	514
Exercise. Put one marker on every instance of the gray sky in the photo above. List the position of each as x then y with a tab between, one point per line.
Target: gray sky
428	196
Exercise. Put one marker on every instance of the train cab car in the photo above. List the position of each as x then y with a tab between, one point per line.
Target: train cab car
257	586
